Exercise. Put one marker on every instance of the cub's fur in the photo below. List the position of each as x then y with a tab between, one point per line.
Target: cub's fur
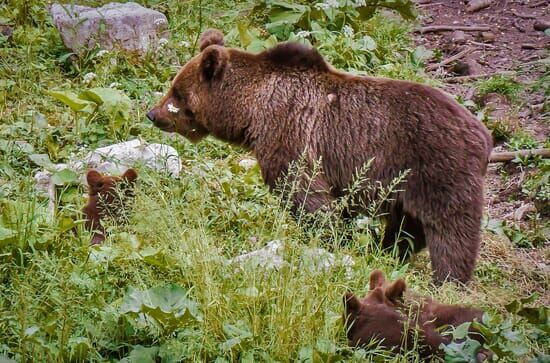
387	316
107	197
287	102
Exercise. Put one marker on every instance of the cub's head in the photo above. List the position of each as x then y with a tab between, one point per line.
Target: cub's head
376	316
183	109
108	196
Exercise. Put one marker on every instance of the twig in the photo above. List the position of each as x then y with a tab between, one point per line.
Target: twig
460	79
523	16
543	2
442	28
483	44
450	59
511	155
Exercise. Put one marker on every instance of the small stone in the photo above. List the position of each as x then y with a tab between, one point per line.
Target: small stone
487	36
128	26
541	25
467	67
458	37
6	31
529	46
476	5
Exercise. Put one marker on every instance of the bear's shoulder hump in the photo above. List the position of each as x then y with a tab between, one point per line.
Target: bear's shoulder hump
291	54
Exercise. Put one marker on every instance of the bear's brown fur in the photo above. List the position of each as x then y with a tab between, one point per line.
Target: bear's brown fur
107	196
287	102
387	316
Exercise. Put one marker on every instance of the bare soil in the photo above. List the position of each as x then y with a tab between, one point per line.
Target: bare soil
513	47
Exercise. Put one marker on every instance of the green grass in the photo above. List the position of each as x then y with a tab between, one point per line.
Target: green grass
62	300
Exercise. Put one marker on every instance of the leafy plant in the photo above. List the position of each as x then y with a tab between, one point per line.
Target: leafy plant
113	103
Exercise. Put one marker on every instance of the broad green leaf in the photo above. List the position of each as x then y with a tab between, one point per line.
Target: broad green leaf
168	305
461	331
251	292
115	103
157	258
464	352
141	354
91	96
5	359
29	332
80	347
69	99
42	160
64	176
245	37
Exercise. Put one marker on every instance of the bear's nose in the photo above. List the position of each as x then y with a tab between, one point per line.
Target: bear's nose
151	115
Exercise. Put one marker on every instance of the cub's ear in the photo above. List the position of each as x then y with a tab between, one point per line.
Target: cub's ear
94	179
213	63
211	37
377	279
130	175
396	290
351	303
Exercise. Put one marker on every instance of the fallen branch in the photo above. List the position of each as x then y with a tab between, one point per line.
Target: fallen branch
523	16
443	28
535	5
485	45
498	157
460	79
450	59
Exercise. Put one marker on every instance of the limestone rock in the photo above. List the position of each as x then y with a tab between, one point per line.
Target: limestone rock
128	26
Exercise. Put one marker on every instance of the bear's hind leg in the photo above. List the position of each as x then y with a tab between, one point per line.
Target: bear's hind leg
453	244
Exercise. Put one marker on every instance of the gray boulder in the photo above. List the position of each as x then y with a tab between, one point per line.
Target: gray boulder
127	26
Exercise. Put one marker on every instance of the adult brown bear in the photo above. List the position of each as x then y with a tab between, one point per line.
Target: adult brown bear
288	102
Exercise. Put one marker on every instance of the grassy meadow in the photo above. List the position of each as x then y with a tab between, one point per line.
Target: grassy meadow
163	287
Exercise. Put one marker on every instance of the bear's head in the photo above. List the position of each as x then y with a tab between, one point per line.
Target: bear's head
184	108
107	197
376	316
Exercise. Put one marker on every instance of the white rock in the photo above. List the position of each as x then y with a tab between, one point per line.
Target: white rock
268	257
247	163
114	160
128	26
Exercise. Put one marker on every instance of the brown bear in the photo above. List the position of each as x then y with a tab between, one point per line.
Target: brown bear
287	103
107	197
386	315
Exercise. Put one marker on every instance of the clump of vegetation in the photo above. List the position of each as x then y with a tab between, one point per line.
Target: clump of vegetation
503	85
165	286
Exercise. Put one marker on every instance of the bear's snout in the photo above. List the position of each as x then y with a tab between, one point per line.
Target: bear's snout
151	115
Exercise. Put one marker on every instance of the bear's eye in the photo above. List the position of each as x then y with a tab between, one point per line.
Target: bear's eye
188	113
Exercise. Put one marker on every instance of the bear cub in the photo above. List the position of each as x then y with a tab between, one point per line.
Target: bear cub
393	319
108	197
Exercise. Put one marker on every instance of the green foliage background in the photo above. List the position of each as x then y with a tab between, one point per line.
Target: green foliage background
163	288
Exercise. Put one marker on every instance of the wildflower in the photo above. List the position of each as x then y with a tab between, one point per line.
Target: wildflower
348	31
185	44
303	34
359	3
247	163
157	94
159	21
173	109
101	53
363	222
328	4
88	77
114	85
163	42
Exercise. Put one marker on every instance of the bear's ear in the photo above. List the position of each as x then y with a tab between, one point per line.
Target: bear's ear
377	279
351	302
213	63
130	175
396	290
211	37
94	179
